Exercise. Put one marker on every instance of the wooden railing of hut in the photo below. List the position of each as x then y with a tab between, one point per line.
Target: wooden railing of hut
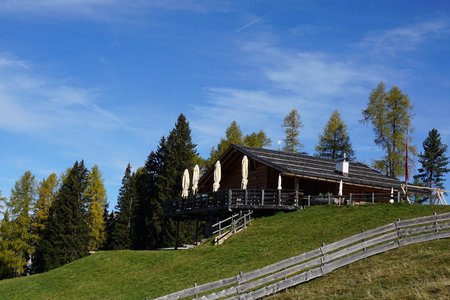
246	199
272	199
295	270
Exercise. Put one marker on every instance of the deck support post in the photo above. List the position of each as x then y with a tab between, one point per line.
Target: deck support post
196	232
177	234
208	226
350	199
262	197
279	197
373	197
246	197
329	199
309	200
296	197
230	195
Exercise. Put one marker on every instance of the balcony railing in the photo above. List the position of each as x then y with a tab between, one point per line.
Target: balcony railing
270	199
237	199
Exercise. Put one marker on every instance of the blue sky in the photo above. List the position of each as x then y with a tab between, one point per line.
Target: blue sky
103	80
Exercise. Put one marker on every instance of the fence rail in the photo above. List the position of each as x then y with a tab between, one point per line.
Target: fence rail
307	266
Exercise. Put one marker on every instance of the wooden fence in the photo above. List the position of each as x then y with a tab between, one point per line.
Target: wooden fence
307	266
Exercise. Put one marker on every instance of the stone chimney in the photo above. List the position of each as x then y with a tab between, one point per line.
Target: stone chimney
342	166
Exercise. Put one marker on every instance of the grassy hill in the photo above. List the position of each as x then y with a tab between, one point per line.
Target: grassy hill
140	274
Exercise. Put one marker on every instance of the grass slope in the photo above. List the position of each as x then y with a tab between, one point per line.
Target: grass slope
420	271
140	274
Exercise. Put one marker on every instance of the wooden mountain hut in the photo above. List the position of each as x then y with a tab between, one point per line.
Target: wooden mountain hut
305	180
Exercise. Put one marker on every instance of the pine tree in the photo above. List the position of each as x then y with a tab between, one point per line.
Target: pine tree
66	236
121	221
16	235
334	142
434	161
390	116
96	197
292	123
47	192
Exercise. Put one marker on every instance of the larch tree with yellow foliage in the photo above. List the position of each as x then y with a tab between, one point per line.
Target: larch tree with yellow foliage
96	195
46	195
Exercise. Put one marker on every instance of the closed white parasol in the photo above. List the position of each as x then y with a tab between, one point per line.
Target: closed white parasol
185	184
195	178
244	172
279	182
341	188
217	176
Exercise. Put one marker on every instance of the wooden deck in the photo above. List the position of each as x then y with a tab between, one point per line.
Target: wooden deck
203	204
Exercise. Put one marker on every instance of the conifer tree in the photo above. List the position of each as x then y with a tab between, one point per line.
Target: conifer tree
16	235
47	192
66	235
180	154
233	135
257	139
390	115
160	180
434	161
121	222
144	220
292	123
96	197
334	142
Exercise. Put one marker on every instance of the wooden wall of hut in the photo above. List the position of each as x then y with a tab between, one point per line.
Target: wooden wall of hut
316	187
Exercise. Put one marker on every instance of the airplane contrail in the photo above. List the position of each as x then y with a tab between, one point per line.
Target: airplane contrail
254	21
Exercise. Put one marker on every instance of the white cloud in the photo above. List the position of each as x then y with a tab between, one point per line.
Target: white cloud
405	38
314	83
33	103
100	9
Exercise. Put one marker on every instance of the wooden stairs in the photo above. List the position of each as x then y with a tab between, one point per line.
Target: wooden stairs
230	226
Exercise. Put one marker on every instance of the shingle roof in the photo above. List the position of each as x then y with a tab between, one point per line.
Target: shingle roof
319	168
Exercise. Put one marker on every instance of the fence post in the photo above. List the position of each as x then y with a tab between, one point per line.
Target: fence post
398	196
262	197
373	198
246	197
329	199
279	197
350	199
233	222
436	223
309	200
220	228
245	221
296	198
